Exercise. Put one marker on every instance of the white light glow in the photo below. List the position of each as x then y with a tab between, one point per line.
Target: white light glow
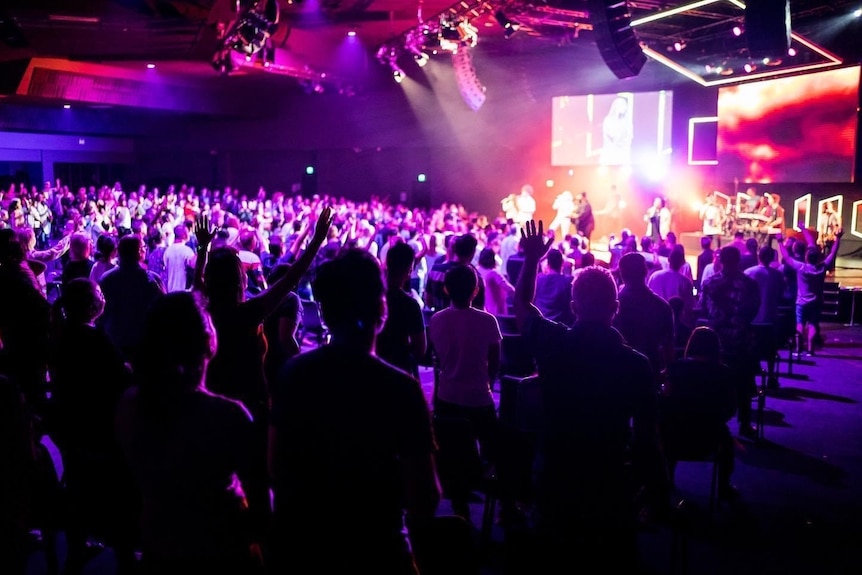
671	12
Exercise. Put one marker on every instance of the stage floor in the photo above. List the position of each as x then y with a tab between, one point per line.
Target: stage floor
847	277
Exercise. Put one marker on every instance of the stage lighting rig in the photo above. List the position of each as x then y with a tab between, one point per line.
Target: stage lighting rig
248	35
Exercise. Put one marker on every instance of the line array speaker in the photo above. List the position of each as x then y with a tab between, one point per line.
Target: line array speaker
617	41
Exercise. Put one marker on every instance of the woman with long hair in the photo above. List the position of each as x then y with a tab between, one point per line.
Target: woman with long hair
238	366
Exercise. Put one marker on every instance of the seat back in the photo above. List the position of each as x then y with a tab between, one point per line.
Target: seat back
312	322
508	325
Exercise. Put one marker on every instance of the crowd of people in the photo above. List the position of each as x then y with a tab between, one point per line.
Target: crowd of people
196	426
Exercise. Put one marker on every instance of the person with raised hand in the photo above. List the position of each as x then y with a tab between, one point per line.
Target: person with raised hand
599	422
237	368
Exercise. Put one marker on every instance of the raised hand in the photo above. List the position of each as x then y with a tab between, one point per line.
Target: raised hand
533	241
839	233
321	228
204	233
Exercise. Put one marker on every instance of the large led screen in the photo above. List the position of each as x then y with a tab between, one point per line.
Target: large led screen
611	129
797	129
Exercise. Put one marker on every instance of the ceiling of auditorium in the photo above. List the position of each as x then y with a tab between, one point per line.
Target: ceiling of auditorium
181	35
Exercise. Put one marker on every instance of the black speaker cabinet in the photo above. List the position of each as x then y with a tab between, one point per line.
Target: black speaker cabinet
617	42
767	28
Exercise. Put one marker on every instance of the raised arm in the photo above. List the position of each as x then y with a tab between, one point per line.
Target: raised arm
204	234
270	299
782	248
535	247
809	237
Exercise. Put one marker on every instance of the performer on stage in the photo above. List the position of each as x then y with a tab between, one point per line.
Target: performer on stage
564	204
657	218
510	207
827	224
525	204
582	217
774	214
712	216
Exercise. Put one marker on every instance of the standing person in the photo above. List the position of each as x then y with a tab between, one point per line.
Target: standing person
467	344
828	225
774	214
564	204
129	291
498	290
810	277
712	216
354	461
731	301
402	341
603	420
525	205
554	291
770	281
238	365
704	258
179	261
657	218
583	218
644	319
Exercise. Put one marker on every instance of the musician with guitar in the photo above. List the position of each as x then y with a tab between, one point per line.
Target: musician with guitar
774	215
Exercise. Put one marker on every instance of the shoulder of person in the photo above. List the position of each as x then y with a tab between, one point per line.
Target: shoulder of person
226	406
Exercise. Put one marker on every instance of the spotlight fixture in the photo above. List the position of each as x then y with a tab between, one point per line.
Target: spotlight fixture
455	33
398	74
791	52
421	59
449	30
248	34
737	31
509	27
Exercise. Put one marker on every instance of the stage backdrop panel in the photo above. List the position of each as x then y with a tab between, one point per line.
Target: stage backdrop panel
798	129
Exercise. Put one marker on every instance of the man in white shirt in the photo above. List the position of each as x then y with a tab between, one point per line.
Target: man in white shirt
179	258
671	282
